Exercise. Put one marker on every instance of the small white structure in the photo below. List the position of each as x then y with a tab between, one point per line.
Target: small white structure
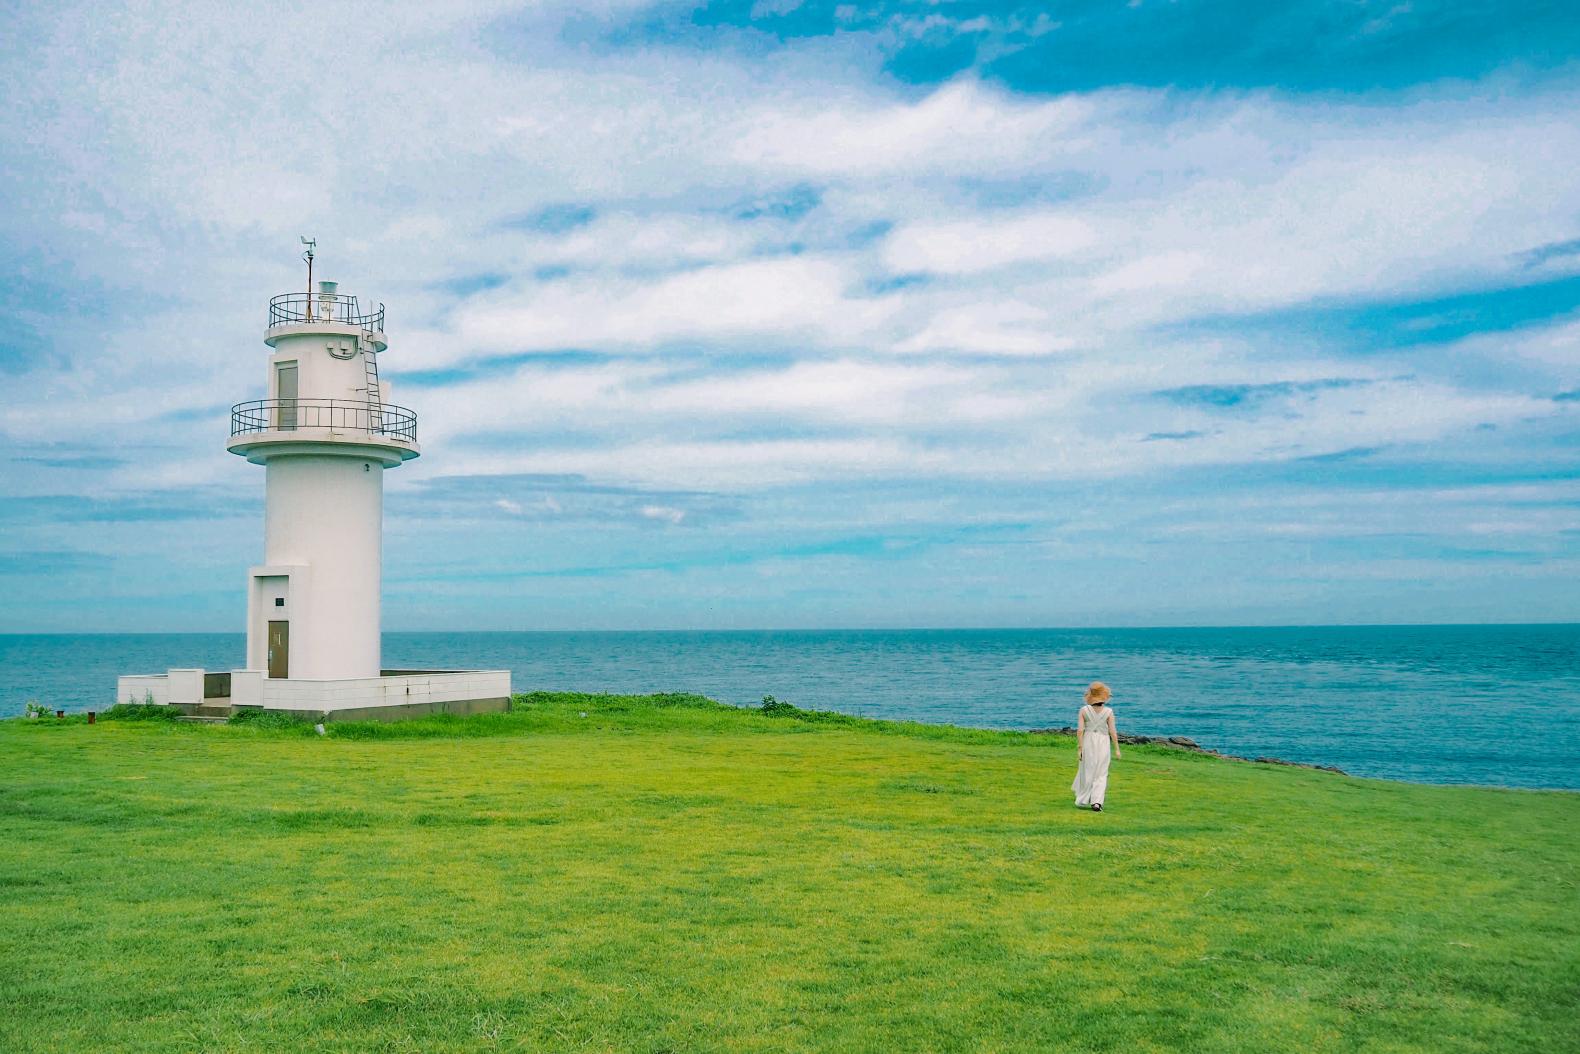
325	435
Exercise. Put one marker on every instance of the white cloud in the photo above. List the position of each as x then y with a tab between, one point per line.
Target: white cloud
963	127
718	463
844	391
965	247
783	299
664	513
533	397
1001	327
680	341
1150	274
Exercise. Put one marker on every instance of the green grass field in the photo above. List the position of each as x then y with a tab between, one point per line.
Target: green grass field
665	874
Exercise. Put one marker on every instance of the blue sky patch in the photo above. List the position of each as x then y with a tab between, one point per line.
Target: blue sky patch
1249	396
466	285
1552	251
1351	454
1376	325
791	204
554	219
1316	45
76	461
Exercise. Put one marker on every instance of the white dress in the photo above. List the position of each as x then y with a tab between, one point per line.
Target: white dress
1091	778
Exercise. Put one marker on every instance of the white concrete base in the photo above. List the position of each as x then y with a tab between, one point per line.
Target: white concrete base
185	687
143	688
418	688
289	693
246	687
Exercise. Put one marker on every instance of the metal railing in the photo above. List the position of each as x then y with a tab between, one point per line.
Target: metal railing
290	309
337	415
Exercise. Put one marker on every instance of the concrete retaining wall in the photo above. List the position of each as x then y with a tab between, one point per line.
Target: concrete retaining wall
137	689
398	711
359	693
407	694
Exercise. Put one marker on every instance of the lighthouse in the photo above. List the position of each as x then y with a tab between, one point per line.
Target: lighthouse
325	433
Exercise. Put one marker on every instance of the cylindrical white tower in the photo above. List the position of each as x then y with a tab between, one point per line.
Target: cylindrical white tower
325	434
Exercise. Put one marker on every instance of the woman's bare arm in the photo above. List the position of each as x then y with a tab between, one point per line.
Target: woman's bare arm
1113	735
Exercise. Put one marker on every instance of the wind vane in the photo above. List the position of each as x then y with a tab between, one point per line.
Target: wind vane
311	243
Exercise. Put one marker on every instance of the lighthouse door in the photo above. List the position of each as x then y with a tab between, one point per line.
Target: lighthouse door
279	649
285	396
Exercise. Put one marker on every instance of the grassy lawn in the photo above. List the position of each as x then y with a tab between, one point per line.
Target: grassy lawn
668	875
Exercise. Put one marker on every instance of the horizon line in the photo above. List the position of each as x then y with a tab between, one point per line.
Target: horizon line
843	629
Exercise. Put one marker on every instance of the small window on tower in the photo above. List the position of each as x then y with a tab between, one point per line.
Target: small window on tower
279	602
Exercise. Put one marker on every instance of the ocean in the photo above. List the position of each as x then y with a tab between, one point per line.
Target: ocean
1496	705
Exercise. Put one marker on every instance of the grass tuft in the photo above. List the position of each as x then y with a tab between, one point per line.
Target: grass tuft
260	720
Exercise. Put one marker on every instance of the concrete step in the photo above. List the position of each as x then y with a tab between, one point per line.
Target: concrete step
214	709
203	719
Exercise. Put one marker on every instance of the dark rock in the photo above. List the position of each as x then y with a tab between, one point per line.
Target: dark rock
1187	743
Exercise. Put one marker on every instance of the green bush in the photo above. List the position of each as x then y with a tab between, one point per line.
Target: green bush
606	701
141	712
775	708
269	719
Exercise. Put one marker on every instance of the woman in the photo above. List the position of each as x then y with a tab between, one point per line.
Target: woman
1094	731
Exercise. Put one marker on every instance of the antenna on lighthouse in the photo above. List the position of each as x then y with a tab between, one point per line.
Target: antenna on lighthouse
311	243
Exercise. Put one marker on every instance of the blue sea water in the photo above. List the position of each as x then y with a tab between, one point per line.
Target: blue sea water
1440	704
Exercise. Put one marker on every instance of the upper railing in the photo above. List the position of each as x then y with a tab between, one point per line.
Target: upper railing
289	309
337	415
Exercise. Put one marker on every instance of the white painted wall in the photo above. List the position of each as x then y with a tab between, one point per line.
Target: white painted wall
185	687
137	688
265	585
320	373
246	687
325	511
355	693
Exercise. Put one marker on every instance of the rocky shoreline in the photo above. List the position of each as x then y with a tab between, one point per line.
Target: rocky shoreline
1186	743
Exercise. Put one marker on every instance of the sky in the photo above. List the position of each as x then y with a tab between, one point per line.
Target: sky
773	314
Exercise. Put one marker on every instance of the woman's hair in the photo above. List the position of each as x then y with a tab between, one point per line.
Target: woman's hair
1098	693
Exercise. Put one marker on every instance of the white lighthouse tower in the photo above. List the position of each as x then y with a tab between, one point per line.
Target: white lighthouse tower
324	435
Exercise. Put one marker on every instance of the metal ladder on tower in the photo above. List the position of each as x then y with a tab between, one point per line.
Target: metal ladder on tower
370	369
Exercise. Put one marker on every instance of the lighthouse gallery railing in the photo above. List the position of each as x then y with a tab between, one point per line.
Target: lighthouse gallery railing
337	415
289	309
